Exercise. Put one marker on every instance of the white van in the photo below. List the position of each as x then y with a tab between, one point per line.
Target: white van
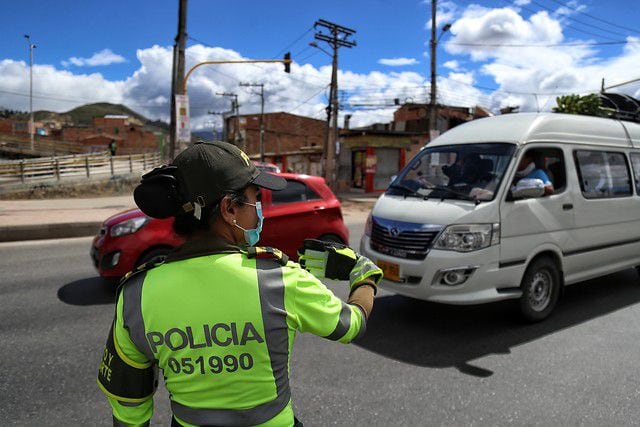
456	226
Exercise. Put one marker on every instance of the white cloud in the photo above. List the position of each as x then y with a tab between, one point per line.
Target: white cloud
397	62
104	57
571	8
452	65
534	66
148	89
521	2
517	73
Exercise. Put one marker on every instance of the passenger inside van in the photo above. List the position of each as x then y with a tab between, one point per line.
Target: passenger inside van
527	169
470	169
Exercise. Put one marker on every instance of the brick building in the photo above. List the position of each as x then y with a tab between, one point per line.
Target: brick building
292	142
6	125
130	137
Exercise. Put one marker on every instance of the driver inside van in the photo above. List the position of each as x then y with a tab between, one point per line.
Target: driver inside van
527	169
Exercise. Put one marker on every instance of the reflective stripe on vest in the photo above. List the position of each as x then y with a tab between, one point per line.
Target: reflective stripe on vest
344	323
132	314
363	325
274	318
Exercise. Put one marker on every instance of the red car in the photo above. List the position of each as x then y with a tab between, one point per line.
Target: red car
306	208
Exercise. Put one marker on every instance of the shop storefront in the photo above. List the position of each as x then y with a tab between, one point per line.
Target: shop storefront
369	159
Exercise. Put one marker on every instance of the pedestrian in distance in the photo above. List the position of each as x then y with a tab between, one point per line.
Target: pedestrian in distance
218	317
113	147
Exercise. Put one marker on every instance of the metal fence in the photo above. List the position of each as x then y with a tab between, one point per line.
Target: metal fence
75	166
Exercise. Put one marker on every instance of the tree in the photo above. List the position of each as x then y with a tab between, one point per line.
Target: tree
587	105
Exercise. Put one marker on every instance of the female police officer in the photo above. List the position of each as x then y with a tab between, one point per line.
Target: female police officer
219	316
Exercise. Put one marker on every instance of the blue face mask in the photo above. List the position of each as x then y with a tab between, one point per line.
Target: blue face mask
252	235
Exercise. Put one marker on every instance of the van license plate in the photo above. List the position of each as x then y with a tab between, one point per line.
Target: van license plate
391	270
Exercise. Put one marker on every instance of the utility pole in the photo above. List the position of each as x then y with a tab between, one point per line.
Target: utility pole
223	115
177	80
235	110
433	115
261	86
31	124
336	39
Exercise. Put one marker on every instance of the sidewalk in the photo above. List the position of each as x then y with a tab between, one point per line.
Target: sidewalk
57	218
61	218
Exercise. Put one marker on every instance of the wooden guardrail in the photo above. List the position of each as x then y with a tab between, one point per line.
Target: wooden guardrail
75	166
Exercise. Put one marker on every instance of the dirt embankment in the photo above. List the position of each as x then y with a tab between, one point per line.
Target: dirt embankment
88	189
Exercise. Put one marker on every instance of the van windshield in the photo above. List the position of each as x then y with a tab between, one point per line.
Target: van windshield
467	172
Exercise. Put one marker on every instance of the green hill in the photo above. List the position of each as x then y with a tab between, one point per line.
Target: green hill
84	115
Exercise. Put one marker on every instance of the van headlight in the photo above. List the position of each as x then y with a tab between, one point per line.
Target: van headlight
129	226
468	237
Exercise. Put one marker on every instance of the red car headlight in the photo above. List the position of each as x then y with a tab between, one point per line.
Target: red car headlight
128	227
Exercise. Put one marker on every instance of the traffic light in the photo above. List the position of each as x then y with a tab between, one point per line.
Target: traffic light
287	62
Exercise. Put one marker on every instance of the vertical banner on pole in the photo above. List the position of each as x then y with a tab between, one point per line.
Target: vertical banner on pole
183	123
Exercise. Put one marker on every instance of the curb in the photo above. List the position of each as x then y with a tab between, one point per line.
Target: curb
49	231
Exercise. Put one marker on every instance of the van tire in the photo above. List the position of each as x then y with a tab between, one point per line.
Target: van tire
540	290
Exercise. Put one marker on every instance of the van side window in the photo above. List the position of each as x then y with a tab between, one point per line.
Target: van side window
603	174
549	163
635	161
552	163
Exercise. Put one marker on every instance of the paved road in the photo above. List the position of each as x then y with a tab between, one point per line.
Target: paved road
419	364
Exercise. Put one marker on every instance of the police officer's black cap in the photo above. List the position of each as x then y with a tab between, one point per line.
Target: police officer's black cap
201	175
208	169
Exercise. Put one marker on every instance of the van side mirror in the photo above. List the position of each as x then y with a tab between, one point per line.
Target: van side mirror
509	197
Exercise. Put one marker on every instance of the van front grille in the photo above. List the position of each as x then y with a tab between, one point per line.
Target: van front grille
402	239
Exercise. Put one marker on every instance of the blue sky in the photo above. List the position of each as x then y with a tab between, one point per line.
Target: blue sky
120	52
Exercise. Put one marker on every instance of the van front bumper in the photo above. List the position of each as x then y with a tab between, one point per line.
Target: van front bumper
421	279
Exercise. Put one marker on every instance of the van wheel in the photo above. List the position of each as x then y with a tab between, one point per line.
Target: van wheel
540	290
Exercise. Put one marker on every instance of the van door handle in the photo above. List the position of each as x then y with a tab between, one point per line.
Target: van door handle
567	206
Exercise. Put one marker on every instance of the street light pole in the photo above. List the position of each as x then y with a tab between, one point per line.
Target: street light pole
432	102
31	47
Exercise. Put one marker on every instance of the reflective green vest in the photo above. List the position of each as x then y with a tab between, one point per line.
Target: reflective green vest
220	327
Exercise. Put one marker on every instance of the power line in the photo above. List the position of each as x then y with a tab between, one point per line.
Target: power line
595	17
567	26
293	42
297	54
312	54
619	42
307	100
578	21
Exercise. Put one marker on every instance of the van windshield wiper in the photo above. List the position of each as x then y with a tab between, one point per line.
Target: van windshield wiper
410	190
449	190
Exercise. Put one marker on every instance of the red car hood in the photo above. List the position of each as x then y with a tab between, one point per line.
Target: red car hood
123	216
